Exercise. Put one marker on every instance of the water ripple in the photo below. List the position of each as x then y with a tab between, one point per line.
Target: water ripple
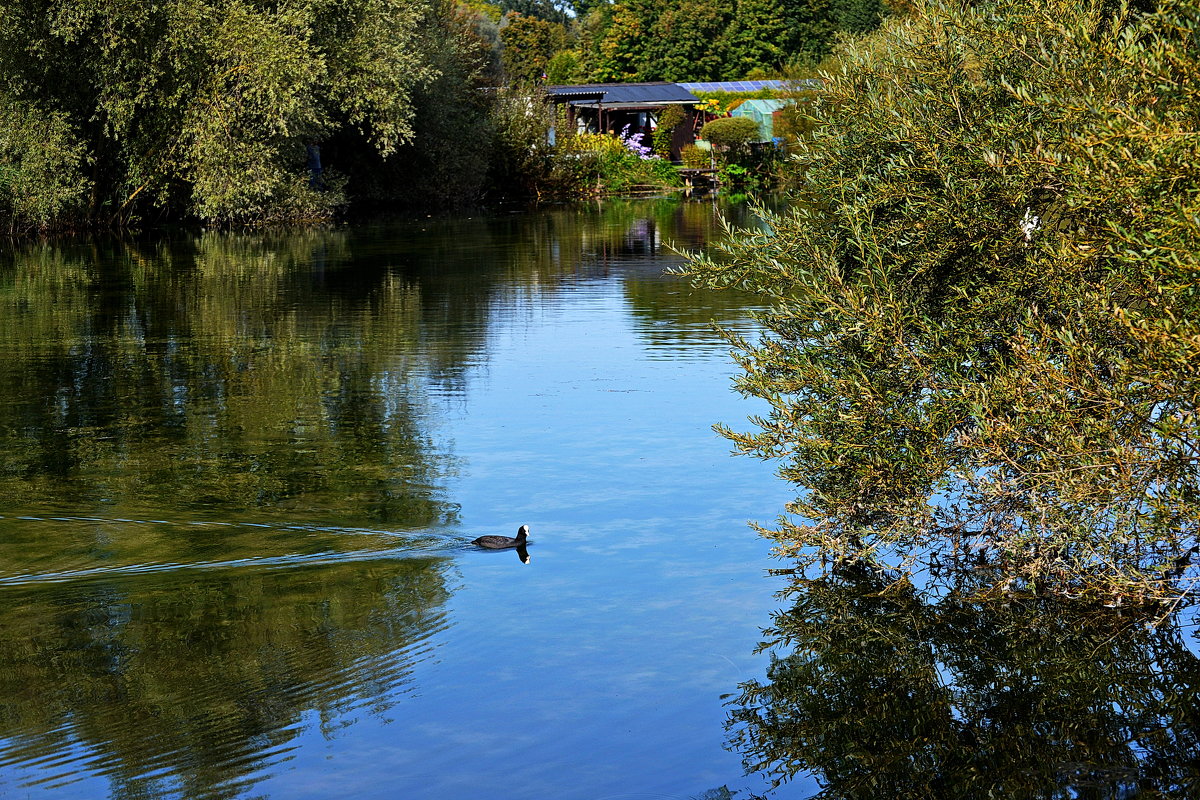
319	545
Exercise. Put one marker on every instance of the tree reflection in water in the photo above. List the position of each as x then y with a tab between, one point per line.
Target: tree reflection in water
224	478
885	693
195	684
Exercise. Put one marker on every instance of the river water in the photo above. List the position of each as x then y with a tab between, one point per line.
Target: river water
239	475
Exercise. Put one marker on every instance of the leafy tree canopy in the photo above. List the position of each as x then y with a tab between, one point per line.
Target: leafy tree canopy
696	40
202	106
985	323
528	45
547	10
730	132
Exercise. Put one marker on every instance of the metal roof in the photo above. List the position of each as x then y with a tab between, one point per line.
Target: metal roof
571	93
753	86
623	94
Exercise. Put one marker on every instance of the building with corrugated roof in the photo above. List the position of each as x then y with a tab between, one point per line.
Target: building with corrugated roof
613	107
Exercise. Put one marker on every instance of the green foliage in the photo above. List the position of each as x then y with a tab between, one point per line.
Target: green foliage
618	34
563	68
528	44
537	9
734	175
795	120
730	133
696	40
762	73
757	40
859	16
198	107
686	42
489	11
42	165
445	163
476	37
669	119
811	29
695	158
589	163
985	326
580	164
522	161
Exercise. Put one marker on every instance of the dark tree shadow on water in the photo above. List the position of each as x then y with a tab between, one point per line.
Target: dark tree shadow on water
881	692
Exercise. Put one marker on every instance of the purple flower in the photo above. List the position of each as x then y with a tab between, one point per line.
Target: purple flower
633	143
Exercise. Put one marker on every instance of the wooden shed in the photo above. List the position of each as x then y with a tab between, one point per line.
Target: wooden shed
611	107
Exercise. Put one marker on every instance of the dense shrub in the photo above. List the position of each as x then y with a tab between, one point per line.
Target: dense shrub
595	163
986	316
522	160
42	161
732	134
695	158
669	119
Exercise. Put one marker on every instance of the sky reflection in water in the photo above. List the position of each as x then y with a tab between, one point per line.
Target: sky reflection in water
238	476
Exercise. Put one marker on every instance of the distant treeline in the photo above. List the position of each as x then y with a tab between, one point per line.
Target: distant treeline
222	111
675	40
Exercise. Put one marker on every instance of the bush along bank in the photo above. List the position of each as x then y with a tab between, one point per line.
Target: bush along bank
986	320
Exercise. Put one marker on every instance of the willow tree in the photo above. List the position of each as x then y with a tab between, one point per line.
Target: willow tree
985	332
201	107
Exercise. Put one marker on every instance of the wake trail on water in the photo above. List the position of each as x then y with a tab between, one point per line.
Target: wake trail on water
77	551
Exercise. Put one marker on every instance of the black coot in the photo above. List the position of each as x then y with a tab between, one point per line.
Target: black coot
503	542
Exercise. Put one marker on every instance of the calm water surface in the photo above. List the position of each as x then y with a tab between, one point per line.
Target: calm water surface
238	475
